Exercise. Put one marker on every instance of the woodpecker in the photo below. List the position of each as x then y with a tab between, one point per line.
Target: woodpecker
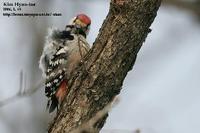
62	52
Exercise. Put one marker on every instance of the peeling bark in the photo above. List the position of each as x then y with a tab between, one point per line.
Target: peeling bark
99	78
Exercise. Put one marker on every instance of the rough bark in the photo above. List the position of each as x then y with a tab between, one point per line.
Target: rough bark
100	77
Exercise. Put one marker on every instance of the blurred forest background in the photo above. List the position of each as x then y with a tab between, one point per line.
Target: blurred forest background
160	94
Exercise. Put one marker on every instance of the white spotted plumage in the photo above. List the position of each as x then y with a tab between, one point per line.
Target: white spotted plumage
61	54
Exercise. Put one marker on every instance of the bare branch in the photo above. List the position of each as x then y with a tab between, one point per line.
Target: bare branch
21	82
23	92
193	6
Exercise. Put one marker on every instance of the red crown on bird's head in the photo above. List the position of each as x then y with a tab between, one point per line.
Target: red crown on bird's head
84	19
81	22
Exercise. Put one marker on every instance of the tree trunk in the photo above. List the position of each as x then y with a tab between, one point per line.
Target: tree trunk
99	78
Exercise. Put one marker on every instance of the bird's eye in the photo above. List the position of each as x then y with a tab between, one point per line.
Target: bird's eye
88	25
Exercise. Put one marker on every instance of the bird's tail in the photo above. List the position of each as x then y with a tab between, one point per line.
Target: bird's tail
52	104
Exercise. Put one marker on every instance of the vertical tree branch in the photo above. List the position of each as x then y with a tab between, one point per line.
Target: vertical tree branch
100	77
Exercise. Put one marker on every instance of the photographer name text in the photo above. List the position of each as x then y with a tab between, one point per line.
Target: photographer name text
18	9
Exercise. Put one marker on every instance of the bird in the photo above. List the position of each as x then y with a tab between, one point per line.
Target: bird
62	51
